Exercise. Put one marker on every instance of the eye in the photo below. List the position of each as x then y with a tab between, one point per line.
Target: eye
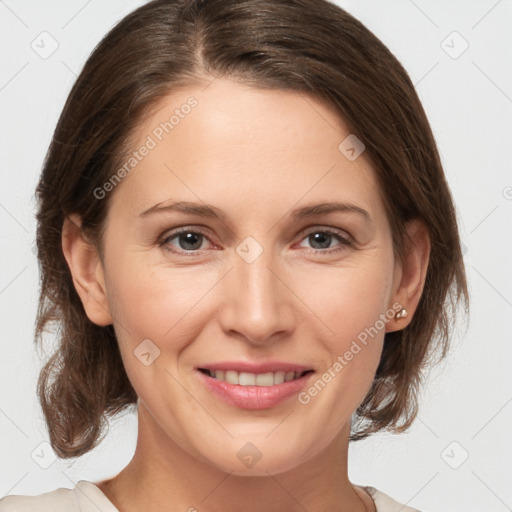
321	239
190	241
185	240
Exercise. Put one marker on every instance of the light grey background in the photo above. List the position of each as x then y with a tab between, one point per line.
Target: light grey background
466	408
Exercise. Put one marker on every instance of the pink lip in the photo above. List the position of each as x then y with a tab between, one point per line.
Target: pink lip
256	368
254	397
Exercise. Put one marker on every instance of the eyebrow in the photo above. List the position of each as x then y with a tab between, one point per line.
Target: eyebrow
206	210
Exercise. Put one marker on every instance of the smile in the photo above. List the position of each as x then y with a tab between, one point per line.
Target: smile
248	385
254	379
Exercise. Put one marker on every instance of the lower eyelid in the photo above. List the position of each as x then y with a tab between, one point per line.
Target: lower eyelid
343	240
166	240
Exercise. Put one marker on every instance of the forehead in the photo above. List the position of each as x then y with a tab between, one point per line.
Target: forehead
242	146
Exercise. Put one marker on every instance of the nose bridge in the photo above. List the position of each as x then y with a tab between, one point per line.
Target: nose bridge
256	305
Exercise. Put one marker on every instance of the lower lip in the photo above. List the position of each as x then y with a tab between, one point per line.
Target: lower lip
254	397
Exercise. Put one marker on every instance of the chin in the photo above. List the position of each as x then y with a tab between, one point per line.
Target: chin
246	459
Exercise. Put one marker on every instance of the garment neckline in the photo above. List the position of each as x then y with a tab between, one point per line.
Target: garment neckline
90	492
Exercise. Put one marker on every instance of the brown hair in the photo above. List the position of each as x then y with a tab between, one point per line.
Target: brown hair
312	46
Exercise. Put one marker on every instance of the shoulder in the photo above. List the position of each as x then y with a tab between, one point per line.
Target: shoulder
85	497
56	501
383	502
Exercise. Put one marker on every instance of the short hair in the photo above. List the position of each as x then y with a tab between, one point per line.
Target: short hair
310	46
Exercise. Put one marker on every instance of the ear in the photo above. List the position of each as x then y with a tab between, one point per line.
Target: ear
410	274
86	270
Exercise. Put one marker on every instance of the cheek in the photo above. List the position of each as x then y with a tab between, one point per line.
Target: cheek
353	305
348	299
155	310
152	301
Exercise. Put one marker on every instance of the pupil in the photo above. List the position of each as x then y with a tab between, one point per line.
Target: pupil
190	239
321	238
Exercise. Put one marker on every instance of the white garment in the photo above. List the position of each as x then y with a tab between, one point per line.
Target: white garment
87	497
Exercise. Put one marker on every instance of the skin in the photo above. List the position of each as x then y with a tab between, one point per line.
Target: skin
257	155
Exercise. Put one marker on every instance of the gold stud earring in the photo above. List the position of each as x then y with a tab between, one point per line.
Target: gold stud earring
401	314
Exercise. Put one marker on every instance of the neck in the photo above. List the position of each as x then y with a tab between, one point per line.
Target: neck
163	477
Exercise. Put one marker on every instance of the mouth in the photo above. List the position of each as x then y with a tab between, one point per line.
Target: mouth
254	379
254	385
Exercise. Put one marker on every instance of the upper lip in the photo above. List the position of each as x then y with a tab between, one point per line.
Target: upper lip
256	368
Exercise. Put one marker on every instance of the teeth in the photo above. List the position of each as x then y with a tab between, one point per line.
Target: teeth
251	379
231	377
278	377
264	379
246	379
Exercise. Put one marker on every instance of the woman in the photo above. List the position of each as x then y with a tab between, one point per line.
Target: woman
244	229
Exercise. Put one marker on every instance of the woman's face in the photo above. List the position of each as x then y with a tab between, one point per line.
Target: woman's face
259	287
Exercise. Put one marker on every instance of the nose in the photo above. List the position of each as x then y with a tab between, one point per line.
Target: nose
258	302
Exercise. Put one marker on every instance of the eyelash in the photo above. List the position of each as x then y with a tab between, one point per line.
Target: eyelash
344	241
